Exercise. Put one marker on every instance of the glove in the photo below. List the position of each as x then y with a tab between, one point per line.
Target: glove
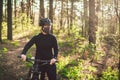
23	57
53	60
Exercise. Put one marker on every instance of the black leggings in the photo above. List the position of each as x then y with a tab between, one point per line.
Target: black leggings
50	70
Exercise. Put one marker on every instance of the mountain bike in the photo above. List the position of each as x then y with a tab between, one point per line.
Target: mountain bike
35	72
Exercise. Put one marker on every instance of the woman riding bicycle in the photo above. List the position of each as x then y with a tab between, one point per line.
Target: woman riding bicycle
46	49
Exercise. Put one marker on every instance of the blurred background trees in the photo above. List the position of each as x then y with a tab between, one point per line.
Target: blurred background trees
86	28
87	16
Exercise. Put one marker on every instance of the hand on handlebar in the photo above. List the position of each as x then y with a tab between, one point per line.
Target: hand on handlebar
52	61
23	57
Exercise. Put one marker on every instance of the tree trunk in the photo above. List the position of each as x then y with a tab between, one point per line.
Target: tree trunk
61	20
1	14
116	2
5	10
15	8
68	18
42	11
51	13
9	19
71	16
92	29
15	12
32	12
28	8
85	30
22	7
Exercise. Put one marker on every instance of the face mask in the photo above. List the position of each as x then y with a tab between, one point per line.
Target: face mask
46	30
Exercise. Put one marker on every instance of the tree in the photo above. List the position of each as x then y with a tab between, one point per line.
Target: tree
85	18
5	5
68	17
92	29
51	12
42	11
28	7
116	2
15	12
1	14
9	19
22	6
61	19
32	11
117	12
15	8
71	16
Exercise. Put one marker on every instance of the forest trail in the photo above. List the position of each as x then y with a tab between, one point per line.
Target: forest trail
12	66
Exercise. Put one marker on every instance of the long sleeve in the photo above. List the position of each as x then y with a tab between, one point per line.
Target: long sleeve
28	45
55	48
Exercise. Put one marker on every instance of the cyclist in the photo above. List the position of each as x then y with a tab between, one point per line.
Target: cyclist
46	48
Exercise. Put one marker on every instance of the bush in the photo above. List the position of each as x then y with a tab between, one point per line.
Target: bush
2	51
109	74
75	70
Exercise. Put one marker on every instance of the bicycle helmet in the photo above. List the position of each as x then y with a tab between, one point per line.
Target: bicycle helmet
45	21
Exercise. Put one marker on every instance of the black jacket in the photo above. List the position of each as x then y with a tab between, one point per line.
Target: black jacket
46	46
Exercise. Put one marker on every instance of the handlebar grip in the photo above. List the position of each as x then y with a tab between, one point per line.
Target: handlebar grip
27	59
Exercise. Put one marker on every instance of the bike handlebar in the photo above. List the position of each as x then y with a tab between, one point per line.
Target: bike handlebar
37	60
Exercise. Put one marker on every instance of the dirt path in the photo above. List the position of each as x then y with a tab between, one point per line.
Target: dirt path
12	66
14	69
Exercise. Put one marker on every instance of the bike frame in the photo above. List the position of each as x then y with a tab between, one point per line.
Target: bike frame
34	72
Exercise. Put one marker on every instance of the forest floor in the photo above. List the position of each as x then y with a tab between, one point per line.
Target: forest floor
13	68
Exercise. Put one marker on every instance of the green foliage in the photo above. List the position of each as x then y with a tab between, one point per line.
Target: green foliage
62	63
22	26
22	21
15	43
78	44
67	47
75	70
2	51
4	29
98	55
90	48
74	41
28	64
109	74
75	30
112	40
5	50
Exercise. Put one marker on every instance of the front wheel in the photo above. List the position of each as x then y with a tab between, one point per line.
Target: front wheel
34	76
